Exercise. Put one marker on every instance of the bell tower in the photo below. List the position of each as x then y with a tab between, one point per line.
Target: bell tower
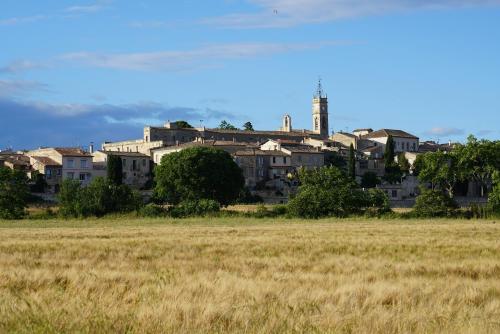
287	124
320	112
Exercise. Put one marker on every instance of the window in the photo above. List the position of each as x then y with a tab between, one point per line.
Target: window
124	162
48	174
414	147
147	138
144	162
71	163
284	160
83	163
83	176
70	175
59	172
274	160
407	146
134	164
394	193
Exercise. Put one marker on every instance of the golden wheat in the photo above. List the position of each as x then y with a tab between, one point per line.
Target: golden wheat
243	275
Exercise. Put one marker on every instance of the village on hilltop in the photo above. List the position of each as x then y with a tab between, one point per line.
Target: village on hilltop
268	159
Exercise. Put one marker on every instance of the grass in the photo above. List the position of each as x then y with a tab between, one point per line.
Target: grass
247	275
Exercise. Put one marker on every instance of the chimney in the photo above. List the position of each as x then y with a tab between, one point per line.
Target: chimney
91	147
176	143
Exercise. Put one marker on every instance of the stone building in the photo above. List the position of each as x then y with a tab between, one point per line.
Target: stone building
136	167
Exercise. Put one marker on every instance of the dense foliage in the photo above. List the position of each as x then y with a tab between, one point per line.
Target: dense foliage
183	125
369	180
14	192
115	169
440	170
434	203
224	125
328	191
198	173
100	197
248	126
393	172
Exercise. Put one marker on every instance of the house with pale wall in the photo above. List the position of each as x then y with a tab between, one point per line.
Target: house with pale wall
75	163
136	167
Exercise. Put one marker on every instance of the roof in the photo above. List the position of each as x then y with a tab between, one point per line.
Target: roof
72	152
302	149
372	148
46	161
350	135
125	154
206	143
389	132
252	152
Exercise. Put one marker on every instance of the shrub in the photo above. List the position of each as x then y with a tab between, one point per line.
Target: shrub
201	207
152	210
275	211
434	203
377	202
100	197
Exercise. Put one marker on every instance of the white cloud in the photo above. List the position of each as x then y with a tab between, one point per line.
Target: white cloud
202	57
444	131
19	66
19	20
287	13
11	88
84	9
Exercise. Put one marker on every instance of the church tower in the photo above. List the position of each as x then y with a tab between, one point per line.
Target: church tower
320	112
287	124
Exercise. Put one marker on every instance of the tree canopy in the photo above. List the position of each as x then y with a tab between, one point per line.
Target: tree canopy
248	126
115	169
183	125
351	167
224	125
198	173
14	193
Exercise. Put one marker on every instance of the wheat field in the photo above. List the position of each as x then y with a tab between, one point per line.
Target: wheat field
243	275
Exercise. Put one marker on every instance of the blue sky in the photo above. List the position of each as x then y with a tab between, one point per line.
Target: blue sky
76	71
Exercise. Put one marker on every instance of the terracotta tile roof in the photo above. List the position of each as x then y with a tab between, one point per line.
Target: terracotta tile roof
72	152
389	132
46	161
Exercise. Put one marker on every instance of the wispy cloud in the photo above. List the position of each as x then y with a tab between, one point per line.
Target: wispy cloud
91	8
13	88
207	56
287	13
22	19
444	131
20	66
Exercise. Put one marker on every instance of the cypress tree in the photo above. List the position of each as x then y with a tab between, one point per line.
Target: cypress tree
389	151
352	162
115	172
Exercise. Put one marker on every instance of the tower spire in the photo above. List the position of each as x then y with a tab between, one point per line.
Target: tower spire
319	90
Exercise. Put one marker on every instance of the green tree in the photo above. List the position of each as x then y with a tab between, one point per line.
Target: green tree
389	151
352	162
115	169
14	192
369	180
226	126
336	160
434	203
324	192
248	126
494	195
38	182
404	164
440	170
183	125
478	160
198	173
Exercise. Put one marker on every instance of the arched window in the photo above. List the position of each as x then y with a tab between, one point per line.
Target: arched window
315	123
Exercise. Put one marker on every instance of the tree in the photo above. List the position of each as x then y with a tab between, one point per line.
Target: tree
440	170
478	160
97	199
115	169
369	180
389	151
434	203
404	164
352	162
335	159
198	173
183	125
393	172
494	195
14	193
226	126
248	126
328	191
38	182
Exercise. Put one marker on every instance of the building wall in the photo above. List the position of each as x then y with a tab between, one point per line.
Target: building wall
137	146
135	174
400	144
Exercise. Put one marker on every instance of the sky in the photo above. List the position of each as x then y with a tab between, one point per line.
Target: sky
75	71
